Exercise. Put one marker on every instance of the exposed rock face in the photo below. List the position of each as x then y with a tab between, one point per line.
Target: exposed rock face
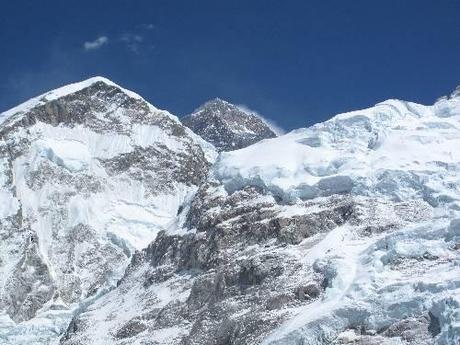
226	126
89	173
238	276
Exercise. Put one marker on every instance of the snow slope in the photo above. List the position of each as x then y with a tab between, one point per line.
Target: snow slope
360	152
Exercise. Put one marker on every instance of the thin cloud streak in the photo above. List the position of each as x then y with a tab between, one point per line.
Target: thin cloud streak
96	44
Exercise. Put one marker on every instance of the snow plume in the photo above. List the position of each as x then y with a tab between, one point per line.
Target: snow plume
96	44
272	124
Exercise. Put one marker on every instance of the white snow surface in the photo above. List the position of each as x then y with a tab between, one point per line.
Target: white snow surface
362	151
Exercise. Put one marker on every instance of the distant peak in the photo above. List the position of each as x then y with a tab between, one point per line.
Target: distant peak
227	126
217	100
214	103
96	79
222	108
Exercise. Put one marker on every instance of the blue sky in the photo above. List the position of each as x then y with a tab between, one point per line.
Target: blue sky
295	62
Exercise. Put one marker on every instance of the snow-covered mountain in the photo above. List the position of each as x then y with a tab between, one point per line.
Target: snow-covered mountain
89	173
346	232
227	126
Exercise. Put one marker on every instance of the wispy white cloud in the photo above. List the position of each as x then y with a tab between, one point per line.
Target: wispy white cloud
132	41
272	124
96	44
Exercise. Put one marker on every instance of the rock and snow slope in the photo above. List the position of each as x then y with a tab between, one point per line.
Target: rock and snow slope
227	126
347	232
89	173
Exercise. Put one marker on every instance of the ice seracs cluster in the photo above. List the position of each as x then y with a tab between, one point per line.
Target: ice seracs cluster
119	225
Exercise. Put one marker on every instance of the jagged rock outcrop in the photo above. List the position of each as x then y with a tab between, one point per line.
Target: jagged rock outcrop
226	126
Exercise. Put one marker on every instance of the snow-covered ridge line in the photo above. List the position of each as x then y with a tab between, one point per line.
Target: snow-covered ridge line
343	224
347	149
64	91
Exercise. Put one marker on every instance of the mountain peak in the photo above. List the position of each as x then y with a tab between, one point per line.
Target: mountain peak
227	126
216	100
216	105
62	92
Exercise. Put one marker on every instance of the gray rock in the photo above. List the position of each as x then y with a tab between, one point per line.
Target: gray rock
226	126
